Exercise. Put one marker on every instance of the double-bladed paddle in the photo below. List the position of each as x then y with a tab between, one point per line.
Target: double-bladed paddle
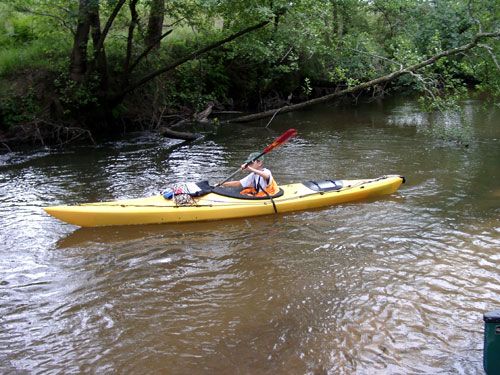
283	138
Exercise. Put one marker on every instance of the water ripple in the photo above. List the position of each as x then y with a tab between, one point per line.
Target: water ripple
396	285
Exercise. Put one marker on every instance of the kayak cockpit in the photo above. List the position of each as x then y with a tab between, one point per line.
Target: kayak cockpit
319	186
236	193
203	187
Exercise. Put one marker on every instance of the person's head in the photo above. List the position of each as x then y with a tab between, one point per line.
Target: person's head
254	156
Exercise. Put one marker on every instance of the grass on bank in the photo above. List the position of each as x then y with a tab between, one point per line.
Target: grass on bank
34	54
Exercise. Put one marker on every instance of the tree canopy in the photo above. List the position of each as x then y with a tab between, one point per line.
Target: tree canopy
97	63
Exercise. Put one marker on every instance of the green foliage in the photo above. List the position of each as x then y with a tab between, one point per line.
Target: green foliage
307	86
340	42
190	87
28	40
36	54
18	110
16	31
76	96
23	31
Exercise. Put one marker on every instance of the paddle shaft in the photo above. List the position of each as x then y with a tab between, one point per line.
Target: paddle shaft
278	142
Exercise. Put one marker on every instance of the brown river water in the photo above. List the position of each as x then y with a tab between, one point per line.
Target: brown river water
396	285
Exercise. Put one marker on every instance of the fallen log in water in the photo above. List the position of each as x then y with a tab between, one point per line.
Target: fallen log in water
166	132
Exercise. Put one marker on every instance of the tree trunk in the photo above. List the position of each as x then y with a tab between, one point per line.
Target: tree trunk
155	23
88	15
134	20
99	56
78	62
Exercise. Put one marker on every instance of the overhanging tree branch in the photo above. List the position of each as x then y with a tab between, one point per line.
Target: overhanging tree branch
493	56
374	82
193	55
61	20
148	49
133	22
107	27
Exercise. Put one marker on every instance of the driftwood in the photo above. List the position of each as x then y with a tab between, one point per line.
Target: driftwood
43	132
166	132
363	86
203	116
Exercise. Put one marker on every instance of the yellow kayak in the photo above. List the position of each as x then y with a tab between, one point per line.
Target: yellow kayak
222	203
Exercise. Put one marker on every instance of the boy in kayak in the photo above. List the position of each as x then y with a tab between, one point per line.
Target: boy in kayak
260	182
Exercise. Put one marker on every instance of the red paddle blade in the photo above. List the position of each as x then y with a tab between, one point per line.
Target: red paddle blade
285	137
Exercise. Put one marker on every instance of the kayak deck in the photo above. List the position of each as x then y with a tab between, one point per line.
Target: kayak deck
156	209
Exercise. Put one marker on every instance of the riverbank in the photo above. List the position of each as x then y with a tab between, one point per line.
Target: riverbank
34	116
75	79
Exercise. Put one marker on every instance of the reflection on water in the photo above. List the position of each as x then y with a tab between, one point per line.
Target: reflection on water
396	285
